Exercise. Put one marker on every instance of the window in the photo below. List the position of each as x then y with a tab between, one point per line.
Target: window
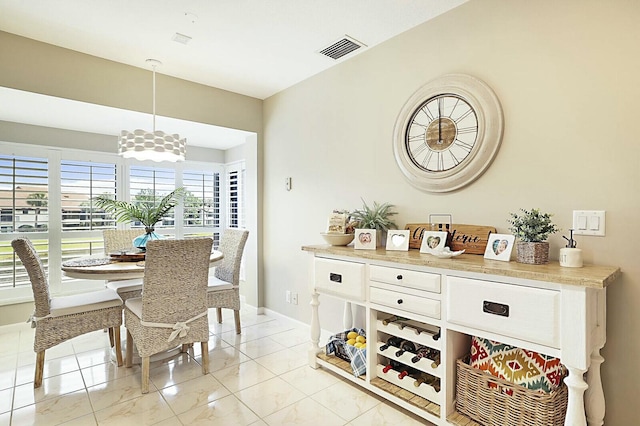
36	181
24	205
149	185
80	183
235	196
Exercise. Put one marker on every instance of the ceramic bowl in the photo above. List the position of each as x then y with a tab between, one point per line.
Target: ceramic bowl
337	239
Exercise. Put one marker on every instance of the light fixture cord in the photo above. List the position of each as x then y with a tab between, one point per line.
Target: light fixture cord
154	98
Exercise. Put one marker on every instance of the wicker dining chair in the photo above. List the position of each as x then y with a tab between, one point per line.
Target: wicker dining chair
116	240
224	285
173	308
57	319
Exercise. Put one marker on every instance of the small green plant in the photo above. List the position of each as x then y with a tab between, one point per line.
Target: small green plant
376	217
531	225
145	212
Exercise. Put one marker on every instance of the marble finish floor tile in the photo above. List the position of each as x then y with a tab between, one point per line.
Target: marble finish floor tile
243	375
222	412
195	392
258	378
281	394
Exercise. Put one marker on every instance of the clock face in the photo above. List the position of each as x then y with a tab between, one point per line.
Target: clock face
441	133
448	133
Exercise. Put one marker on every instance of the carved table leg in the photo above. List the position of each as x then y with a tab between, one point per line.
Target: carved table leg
575	407
315	330
594	397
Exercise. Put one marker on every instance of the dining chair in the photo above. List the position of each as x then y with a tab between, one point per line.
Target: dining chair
173	308
224	286
57	319
116	240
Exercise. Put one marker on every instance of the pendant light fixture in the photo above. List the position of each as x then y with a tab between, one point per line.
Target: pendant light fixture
155	146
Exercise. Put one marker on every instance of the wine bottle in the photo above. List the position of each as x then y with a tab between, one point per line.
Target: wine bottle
406	346
391	341
437	335
427	379
424	352
393	365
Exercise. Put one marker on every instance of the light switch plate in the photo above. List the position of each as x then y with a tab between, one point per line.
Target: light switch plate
589	222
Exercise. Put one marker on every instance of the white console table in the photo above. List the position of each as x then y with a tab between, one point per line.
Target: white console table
549	309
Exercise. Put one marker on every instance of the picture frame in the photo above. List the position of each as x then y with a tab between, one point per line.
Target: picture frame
398	240
365	239
433	241
499	247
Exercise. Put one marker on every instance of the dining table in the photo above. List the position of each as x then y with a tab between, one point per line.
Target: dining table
116	266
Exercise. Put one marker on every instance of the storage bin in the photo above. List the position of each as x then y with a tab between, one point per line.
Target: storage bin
491	401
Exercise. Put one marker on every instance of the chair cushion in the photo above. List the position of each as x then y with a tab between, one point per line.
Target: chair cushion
216	284
123	286
134	305
77	303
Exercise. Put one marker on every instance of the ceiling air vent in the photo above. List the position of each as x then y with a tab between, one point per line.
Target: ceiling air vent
341	47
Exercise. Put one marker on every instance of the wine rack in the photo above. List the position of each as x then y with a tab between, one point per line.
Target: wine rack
420	334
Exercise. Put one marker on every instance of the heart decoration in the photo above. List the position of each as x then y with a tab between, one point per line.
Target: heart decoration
499	246
365	237
433	242
397	240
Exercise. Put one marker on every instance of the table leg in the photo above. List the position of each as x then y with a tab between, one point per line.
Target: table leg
594	396
575	407
315	330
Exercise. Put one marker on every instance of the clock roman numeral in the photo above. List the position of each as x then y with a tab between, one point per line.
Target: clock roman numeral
471	129
463	116
466	146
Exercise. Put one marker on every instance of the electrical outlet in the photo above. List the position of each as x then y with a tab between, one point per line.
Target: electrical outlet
288	296
294	298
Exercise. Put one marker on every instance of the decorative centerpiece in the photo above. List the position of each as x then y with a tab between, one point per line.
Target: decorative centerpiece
376	217
146	212
532	229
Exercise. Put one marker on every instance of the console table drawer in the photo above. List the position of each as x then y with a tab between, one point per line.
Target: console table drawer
526	313
340	278
406	302
406	278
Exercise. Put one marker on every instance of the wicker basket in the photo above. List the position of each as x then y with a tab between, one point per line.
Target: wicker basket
495	402
533	253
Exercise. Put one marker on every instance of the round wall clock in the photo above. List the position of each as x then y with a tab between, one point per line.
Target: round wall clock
448	133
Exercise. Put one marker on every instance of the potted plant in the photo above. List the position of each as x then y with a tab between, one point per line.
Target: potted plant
376	217
145	212
532	229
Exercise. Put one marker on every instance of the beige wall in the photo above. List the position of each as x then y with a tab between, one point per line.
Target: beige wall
566	73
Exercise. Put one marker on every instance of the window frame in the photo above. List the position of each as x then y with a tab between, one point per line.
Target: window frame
61	285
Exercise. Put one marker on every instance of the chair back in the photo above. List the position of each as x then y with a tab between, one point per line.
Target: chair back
39	283
119	239
176	276
232	246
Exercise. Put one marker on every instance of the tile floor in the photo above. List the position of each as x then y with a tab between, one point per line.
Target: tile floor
257	378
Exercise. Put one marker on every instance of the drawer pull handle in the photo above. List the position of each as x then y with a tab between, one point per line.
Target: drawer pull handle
336	278
399	301
494	308
399	277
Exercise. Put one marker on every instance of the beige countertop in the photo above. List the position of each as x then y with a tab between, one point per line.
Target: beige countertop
594	276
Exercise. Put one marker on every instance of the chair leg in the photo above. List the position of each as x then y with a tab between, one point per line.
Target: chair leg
236	316
117	344
204	348
219	315
129	354
111	339
145	374
184	348
37	380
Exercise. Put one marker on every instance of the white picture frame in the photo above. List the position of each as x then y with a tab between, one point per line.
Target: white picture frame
365	239
433	241
499	247
398	240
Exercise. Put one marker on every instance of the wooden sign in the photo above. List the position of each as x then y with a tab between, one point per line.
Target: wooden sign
470	238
